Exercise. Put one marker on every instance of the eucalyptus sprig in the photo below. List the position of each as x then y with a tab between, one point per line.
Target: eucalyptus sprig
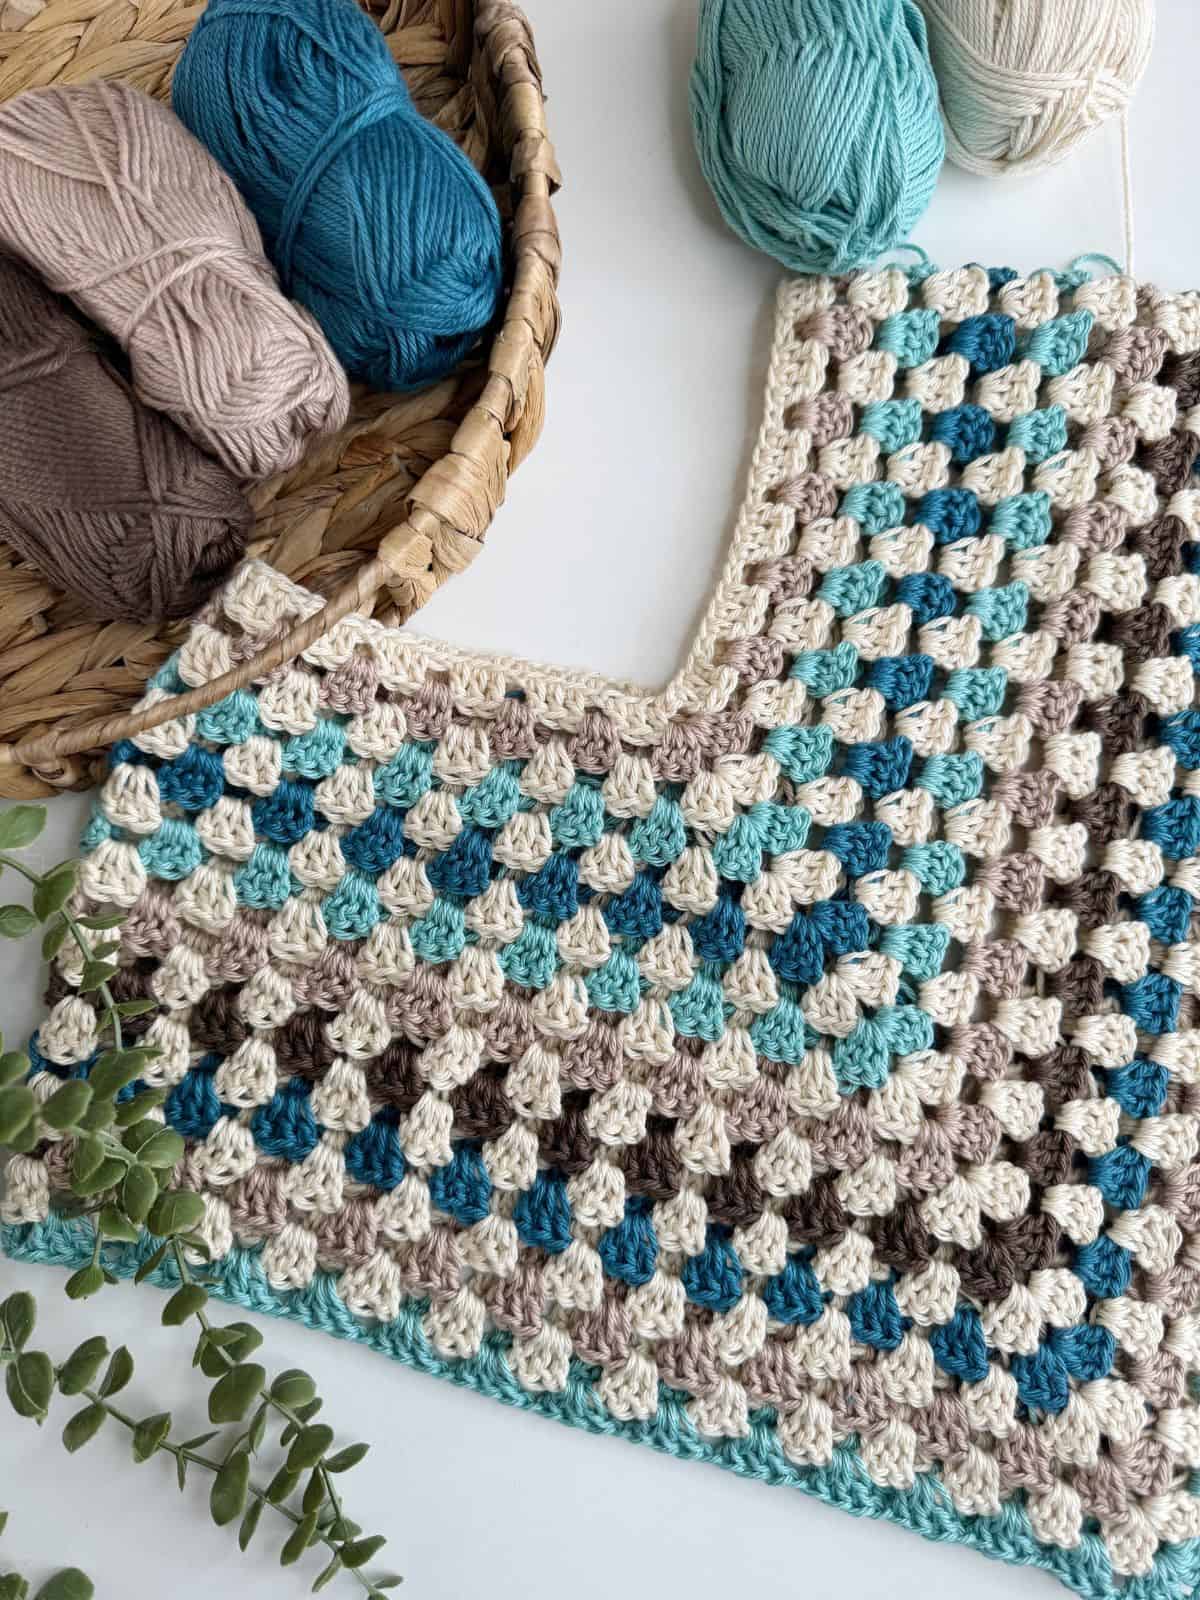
123	1162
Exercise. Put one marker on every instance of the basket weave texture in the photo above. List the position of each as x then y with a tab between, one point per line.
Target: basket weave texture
376	517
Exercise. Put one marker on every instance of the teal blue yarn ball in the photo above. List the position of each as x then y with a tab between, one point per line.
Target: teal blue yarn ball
374	218
817	125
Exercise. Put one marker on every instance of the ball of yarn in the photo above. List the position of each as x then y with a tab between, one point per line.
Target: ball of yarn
817	125
106	194
374	217
1023	81
107	498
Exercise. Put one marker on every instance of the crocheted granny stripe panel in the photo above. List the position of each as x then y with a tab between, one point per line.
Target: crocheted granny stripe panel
796	1068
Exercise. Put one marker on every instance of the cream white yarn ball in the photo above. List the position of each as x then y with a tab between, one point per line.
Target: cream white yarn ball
1022	82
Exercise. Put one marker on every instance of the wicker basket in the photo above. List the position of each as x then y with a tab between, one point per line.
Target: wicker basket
375	517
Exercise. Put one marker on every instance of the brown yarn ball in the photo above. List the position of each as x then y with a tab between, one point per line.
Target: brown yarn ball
107	498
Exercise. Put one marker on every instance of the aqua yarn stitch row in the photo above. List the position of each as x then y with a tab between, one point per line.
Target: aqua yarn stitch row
797	1069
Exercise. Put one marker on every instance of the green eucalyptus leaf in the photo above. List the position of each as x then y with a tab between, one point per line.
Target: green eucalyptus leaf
161	1151
140	1133
184	1303
88	1158
67	1104
200	1440
298	1543
135	1008
249	1524
223	1335
98	1116
209	1357
55	889
119	1372
282	1486
347	1458
309	1409
256	1432
69	1584
23	1143
181	1467
16	922
293	1388
14	1065
54	938
314	1492
359	1551
112	920
106	1176
390	1582
309	1446
95	973
144	1101
234	1394
84	1425
114	1070
13	1586
18	1318
18	1107
151	1263
227	1498
327	1575
20	826
79	1370
138	1192
114	1224
244	1340
176	1212
149	1435
29	1380
87	1281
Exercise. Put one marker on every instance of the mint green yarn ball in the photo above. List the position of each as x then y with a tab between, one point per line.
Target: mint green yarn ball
817	125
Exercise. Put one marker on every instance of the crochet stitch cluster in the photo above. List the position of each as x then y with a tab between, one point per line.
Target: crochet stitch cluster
799	1067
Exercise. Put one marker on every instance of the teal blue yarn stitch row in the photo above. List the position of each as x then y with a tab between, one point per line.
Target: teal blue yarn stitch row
844	1483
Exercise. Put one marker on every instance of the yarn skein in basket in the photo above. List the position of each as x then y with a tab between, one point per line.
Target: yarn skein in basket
105	495
374	218
376	516
817	125
108	197
1023	82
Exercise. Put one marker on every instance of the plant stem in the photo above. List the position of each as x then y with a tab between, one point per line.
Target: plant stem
181	1452
265	1394
77	934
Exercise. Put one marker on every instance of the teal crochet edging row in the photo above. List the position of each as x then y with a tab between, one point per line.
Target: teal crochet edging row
239	1280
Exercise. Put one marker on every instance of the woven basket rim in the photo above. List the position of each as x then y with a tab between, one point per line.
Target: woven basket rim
453	501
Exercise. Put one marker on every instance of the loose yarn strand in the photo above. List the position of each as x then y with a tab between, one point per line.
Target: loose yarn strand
1127	191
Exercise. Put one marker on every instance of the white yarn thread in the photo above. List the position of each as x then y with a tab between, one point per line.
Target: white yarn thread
1023	82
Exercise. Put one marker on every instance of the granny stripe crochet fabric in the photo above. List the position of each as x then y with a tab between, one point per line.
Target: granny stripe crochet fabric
796	1069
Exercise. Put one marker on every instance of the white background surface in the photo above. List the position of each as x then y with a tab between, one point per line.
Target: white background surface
602	558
